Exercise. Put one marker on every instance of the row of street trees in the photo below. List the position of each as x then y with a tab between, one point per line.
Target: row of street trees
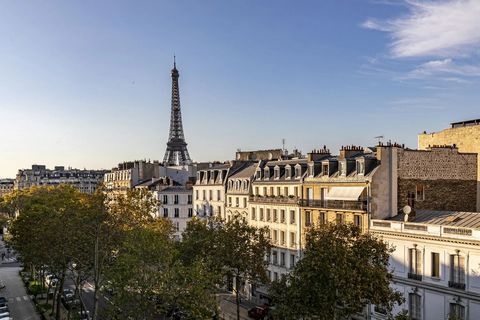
115	242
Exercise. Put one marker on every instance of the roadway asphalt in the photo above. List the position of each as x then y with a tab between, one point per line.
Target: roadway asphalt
20	304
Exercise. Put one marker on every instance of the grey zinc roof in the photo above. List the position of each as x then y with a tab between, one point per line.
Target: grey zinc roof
445	218
247	172
285	162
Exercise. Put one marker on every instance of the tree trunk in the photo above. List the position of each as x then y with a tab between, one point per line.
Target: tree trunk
96	276
59	295
237	298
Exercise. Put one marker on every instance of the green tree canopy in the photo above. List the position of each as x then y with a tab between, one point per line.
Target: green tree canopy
342	270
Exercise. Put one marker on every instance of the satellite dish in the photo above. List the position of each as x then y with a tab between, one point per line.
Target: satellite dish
407	209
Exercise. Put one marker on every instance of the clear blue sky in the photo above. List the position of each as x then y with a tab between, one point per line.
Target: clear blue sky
87	83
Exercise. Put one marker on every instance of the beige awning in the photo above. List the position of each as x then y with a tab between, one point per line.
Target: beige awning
344	193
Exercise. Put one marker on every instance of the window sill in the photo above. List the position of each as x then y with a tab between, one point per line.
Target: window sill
436	278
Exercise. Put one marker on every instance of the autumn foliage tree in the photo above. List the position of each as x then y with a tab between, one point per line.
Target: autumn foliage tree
342	270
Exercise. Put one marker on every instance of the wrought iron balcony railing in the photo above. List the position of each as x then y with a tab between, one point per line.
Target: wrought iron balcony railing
456	285
415	276
335	204
274	199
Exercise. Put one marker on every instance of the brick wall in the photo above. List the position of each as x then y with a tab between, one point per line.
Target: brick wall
441	163
449	178
467	139
441	194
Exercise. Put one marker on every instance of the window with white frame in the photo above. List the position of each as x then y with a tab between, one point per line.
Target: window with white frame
274	257
165	199
419	192
190	212
165	212
415	306
292	216
414	261
308	221
253	214
282	259
175	199
176	212
325	169
292	260
457	311
343	170
357	220
435	265
360	167
457	271
277	173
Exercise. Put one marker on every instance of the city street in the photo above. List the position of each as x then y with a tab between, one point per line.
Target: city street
20	304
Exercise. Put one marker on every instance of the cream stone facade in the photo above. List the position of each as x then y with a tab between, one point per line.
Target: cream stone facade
175	201
239	189
86	181
464	135
436	263
337	188
277	190
210	188
6	186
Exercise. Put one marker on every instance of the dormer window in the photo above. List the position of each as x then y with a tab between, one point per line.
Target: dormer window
360	167
298	172
288	172
310	170
266	173
343	169
258	174
277	173
325	169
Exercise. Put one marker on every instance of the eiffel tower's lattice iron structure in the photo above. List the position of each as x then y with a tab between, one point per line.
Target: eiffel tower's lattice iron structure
176	153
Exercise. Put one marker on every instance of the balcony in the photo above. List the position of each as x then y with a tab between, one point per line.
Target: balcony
415	276
274	199
335	204
456	285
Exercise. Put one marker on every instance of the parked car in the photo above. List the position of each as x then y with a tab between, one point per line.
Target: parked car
4	314
258	313
84	315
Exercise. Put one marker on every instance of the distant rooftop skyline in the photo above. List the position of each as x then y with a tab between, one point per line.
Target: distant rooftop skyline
87	84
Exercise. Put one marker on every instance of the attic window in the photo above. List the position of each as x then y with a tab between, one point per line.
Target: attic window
288	171
266	172
310	170
325	169
259	174
298	172
277	173
360	167
342	168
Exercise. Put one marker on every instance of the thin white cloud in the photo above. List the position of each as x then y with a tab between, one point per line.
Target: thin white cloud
445	67
448	28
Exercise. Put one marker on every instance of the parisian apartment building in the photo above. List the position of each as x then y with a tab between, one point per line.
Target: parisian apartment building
6	186
39	175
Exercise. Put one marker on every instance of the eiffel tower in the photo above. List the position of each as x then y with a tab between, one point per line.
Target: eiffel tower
176	153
